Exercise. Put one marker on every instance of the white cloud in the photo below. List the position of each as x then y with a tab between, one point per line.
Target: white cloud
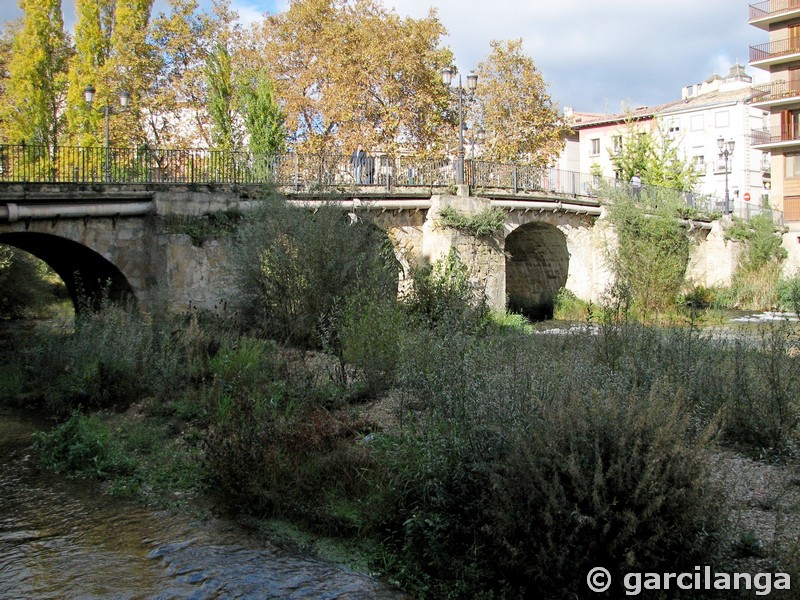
597	54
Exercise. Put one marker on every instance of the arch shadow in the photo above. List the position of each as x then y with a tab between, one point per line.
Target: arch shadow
537	264
88	276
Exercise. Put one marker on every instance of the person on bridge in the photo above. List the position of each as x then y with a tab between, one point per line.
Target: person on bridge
359	159
636	185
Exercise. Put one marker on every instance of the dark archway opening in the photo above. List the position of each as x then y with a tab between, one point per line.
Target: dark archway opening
537	263
88	276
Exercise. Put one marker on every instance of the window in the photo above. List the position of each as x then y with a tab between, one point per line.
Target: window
595	146
792	165
674	126
617	141
791	208
721	119
698	123
790	121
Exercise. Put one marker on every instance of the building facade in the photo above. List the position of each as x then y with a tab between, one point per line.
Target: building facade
780	135
716	111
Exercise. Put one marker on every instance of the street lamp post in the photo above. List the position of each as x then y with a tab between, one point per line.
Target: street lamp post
726	151
107	110
478	136
472	83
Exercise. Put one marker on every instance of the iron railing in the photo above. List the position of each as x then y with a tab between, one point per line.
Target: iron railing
774	49
760	10
311	173
776	90
775	135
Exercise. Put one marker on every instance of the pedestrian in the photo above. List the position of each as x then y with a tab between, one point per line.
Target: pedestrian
636	184
358	159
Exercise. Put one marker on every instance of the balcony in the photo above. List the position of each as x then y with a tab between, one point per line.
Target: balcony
775	137
775	93
775	53
764	14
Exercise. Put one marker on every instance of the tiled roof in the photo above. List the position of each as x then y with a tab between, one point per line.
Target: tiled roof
644	112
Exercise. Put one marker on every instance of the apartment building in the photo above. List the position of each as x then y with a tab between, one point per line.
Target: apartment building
780	136
713	112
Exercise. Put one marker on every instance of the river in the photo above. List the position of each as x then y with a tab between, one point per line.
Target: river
65	539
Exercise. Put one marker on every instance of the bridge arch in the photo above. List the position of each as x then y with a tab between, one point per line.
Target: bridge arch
84	272
537	266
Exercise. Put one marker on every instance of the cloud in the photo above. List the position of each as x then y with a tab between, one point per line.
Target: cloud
596	55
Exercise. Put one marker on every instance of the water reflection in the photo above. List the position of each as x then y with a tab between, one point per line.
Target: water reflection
63	539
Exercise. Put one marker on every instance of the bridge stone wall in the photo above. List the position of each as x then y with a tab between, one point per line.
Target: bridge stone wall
543	246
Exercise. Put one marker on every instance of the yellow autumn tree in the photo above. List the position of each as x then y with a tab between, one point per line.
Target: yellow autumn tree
351	71
522	122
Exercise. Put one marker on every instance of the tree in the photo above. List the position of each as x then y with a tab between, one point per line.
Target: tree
181	42
219	79
263	119
32	102
112	54
351	71
655	156
92	48
521	120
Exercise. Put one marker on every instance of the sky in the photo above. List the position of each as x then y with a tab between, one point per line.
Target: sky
595	55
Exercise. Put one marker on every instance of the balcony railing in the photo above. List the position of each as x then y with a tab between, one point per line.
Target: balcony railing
775	135
768	8
774	49
776	90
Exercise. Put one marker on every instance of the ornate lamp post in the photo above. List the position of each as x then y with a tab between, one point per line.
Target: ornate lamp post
726	151
472	83
108	110
474	137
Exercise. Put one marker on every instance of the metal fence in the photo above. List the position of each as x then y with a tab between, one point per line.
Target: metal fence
306	172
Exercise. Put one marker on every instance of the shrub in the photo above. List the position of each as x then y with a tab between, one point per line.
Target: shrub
112	358
525	462
651	254
442	295
83	446
295	268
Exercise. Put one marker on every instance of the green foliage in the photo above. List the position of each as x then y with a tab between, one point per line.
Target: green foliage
651	255
24	284
295	269
487	222
568	307
264	122
83	446
755	282
656	157
370	336
762	243
789	293
443	295
112	358
524	460
219	79
213	225
36	77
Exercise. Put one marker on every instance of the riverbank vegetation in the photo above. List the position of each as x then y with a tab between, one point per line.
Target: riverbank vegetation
464	454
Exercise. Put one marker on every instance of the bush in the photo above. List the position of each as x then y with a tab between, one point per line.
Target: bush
295	268
272	449
651	255
83	446
442	295
112	358
525	461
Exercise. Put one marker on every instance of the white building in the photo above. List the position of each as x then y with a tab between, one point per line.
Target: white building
716	109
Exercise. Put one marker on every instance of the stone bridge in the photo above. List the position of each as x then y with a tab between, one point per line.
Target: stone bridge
123	237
